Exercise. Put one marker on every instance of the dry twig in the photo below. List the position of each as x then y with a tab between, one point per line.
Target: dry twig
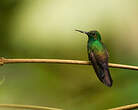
27	107
112	65
126	107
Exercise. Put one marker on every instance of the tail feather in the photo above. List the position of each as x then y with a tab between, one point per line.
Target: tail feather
103	74
107	80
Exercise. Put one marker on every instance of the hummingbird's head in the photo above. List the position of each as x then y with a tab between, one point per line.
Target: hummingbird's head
95	35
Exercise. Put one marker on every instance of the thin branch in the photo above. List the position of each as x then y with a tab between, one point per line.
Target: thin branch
126	107
112	65
27	107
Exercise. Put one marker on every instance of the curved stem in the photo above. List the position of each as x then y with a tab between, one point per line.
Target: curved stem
27	107
126	107
112	65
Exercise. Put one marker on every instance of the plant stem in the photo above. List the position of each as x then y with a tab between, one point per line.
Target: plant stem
112	65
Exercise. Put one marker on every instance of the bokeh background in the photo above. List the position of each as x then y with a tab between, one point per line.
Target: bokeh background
45	29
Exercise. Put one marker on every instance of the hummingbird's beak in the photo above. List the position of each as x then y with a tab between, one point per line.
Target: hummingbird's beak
81	31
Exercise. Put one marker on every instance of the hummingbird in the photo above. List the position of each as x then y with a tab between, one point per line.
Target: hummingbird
98	56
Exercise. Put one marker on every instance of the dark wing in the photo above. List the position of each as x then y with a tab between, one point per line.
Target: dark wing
100	64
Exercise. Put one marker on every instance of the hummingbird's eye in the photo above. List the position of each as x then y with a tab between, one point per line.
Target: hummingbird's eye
94	34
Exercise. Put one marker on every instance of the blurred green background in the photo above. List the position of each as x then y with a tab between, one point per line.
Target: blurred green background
45	29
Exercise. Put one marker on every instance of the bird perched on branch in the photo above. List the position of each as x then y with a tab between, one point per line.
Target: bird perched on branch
98	56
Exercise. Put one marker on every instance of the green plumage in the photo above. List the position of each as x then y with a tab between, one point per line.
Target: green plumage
98	56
